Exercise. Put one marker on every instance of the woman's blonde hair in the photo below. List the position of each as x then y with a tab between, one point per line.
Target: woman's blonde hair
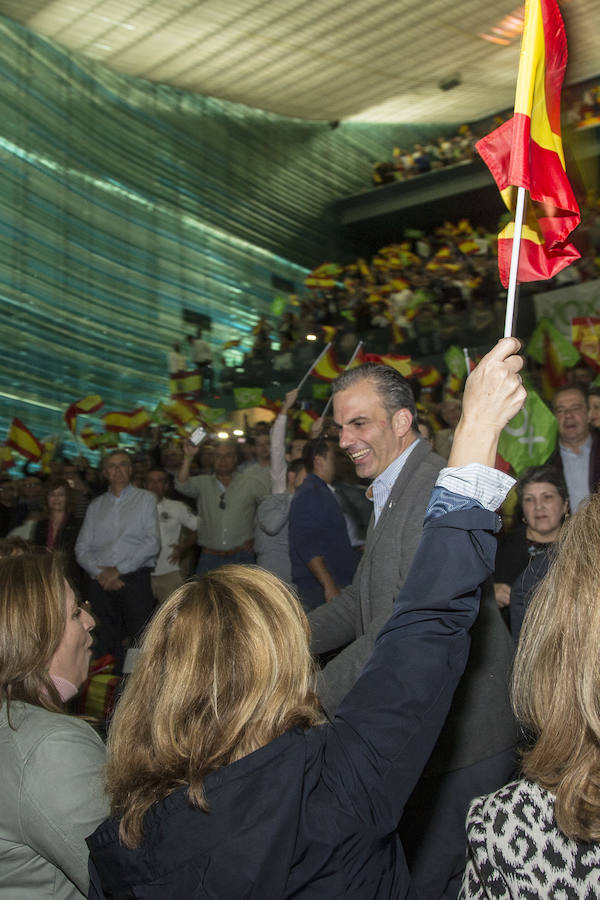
224	668
32	623
556	678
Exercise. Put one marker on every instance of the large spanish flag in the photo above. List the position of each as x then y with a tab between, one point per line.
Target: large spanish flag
129	422
21	439
527	152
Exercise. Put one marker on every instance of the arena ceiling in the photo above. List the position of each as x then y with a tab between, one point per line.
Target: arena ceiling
403	61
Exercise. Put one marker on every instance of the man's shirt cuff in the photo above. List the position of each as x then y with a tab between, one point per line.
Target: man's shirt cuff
460	486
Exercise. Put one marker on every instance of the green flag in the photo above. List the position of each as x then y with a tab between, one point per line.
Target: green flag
246	397
529	438
454	358
213	415
564	350
321	390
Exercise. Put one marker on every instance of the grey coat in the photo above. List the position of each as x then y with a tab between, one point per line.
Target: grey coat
480	723
52	799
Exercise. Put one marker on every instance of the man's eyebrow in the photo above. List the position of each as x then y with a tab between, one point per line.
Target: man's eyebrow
352	420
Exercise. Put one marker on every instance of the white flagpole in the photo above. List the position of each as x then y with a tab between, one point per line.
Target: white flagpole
467	360
510	318
316	362
347	366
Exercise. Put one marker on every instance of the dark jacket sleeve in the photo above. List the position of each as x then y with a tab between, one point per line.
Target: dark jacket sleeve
387	725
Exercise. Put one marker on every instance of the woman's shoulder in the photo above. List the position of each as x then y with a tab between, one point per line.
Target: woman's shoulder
523	800
32	726
516	848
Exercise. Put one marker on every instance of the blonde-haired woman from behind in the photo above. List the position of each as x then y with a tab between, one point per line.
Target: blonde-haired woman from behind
539	837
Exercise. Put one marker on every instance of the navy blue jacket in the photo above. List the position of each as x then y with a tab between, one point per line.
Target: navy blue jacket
317	527
314	814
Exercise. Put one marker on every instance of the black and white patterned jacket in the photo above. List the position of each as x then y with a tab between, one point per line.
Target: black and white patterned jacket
517	851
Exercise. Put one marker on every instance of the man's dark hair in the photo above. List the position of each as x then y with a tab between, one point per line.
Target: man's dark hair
158	469
295	466
316	447
393	389
575	386
116	453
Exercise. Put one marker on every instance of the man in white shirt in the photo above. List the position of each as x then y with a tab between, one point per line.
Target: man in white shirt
117	546
172	516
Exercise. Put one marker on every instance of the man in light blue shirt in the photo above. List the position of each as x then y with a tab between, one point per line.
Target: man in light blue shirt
578	451
117	546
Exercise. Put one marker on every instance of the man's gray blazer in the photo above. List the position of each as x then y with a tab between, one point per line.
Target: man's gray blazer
354	618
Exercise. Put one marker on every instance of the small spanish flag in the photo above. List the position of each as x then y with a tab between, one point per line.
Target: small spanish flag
305	419
325	275
181	383
87	405
6	458
328	333
431	377
129	422
21	439
585	334
183	412
527	152
96	440
327	368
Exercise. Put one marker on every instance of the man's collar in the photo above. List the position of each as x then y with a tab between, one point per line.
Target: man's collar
388	477
580	447
124	492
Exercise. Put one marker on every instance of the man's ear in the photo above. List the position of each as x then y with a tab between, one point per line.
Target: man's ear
402	422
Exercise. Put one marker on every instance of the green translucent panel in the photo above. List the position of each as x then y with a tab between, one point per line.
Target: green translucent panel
124	203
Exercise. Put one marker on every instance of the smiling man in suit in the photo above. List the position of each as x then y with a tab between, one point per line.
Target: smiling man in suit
375	410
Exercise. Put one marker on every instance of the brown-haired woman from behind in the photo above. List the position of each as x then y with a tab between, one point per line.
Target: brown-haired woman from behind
540	836
51	763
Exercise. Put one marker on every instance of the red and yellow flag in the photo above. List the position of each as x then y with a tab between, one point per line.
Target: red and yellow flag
96	440
327	368
183	412
305	419
325	275
87	405
181	383
585	334
527	152
21	439
328	333
430	377
6	458
129	422
402	364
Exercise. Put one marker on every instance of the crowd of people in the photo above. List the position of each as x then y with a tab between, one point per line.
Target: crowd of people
438	154
582	110
416	298
352	775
